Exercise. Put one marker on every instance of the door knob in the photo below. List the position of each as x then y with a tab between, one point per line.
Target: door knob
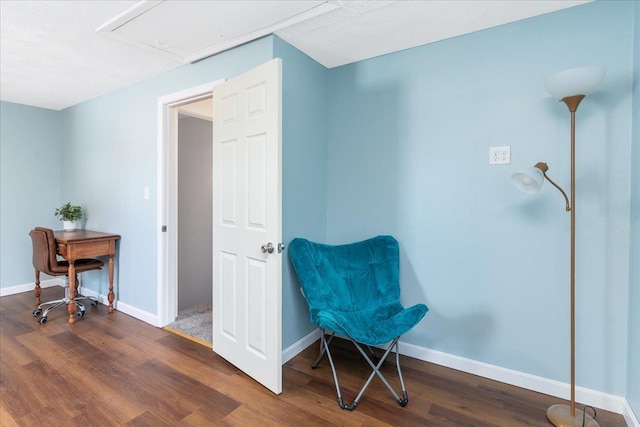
267	248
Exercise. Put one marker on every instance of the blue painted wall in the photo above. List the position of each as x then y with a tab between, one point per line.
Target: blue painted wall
633	352
30	158
304	172
408	142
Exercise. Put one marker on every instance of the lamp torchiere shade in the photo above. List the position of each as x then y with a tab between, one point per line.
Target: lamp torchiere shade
574	81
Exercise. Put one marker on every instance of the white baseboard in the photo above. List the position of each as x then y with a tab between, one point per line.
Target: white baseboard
608	402
304	342
28	287
630	416
145	316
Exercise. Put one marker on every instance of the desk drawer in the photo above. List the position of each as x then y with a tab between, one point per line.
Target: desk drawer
86	249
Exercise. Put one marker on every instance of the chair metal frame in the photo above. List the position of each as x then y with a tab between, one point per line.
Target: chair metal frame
374	362
64	301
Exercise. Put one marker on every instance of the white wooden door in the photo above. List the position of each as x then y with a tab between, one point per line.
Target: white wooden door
247	195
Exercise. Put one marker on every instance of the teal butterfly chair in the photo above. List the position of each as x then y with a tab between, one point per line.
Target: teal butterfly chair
353	290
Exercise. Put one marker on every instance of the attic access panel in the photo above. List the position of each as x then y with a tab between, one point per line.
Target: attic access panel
192	30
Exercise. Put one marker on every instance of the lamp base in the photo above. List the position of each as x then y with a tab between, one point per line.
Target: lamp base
560	416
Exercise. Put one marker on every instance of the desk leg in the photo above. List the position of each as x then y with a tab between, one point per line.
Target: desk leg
71	306
111	296
37	290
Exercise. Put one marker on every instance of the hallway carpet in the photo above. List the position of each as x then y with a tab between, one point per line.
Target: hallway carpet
194	322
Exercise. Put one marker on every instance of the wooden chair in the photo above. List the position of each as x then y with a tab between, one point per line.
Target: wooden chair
45	260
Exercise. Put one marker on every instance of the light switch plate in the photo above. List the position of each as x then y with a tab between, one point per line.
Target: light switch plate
500	155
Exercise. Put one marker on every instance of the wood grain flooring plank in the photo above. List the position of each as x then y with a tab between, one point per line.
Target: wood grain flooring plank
196	352
325	407
97	393
14	353
277	415
181	388
116	348
458	419
60	395
17	397
13	326
148	419
6	418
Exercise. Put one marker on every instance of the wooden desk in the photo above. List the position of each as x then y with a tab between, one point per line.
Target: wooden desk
73	245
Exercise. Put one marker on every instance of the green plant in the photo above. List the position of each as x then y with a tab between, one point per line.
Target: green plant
69	212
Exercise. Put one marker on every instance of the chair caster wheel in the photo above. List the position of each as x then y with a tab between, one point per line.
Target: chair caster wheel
42	320
94	303
37	312
80	314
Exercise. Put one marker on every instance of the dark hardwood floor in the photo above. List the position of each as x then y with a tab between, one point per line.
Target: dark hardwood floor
114	370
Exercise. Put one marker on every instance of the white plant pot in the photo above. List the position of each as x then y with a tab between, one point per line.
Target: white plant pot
69	225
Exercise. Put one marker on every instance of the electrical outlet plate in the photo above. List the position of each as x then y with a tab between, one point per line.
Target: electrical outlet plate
500	155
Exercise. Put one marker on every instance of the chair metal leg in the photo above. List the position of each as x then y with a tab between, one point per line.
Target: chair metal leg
325	344
93	300
314	365
373	355
52	305
402	401
376	371
405	397
64	301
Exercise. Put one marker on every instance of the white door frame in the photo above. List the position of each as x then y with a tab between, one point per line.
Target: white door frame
167	200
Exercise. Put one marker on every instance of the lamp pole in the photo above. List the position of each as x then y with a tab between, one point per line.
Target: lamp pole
572	103
562	415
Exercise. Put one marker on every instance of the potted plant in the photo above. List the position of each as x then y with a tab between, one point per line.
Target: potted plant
69	214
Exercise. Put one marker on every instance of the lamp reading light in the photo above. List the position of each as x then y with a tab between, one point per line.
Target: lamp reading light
530	180
570	86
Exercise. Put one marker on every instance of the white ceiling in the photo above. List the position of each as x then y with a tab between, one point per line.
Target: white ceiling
55	54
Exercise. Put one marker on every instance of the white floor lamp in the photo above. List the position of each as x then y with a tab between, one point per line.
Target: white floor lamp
570	86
